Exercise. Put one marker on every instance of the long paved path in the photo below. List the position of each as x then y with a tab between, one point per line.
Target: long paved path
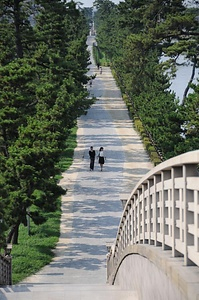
91	209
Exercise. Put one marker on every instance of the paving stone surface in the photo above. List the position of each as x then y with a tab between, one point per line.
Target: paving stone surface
92	208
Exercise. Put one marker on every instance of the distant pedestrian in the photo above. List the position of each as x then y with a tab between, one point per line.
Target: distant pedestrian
92	158
100	70
98	65
101	157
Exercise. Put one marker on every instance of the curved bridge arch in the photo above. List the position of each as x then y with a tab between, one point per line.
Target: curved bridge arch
160	221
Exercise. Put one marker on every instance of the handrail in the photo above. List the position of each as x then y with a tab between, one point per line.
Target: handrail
162	210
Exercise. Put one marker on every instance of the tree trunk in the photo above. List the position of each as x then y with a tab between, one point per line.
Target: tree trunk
19	46
190	81
13	234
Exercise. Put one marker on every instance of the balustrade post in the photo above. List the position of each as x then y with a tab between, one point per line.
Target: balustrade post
196	217
143	214
131	222
138	214
175	172
155	211
185	215
148	212
134	220
163	211
173	211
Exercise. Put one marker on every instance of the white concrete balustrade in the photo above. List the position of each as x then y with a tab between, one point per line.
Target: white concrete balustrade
163	211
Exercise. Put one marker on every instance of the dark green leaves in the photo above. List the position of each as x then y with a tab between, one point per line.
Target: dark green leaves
134	35
43	65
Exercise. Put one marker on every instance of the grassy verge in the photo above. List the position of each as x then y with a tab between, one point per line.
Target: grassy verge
67	158
34	251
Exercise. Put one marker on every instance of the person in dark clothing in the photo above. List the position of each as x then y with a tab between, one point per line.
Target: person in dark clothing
92	158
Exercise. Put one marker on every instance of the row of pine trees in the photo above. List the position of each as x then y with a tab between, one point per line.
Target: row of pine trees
135	35
43	66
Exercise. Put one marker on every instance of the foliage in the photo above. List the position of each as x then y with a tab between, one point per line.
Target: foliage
36	243
135	35
191	117
43	66
67	155
35	250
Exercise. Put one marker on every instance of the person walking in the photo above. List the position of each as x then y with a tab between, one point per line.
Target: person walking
92	158
101	157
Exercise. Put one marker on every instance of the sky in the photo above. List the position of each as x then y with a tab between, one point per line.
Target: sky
89	3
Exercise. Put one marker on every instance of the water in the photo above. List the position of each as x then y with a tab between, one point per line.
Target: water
183	75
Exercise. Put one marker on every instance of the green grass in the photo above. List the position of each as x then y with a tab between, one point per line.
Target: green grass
67	158
34	251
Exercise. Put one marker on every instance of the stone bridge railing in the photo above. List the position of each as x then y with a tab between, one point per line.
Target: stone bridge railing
162	210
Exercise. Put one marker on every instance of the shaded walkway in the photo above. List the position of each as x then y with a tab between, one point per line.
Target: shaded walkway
92	207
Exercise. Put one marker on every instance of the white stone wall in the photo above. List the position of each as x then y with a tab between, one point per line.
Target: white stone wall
141	275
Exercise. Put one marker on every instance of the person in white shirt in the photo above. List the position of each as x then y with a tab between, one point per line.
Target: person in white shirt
101	157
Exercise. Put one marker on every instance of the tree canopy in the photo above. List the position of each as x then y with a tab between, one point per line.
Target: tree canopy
135	35
43	66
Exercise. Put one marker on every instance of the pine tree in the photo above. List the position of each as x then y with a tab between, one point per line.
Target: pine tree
144	31
42	80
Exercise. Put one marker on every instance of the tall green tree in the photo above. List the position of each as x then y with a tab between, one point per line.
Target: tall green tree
42	77
17	73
